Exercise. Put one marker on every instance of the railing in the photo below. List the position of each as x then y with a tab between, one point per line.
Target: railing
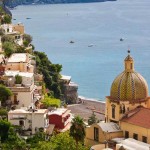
21	88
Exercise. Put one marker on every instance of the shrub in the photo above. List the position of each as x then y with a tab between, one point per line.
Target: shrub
18	79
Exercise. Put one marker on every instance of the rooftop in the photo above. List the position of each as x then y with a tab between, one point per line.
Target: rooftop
14	73
63	77
132	144
109	127
58	111
22	111
18	57
137	116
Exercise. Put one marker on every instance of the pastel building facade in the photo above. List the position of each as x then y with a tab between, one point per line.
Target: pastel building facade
30	119
128	103
128	106
20	62
101	132
61	118
16	31
23	94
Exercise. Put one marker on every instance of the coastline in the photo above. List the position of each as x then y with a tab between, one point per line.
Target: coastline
88	106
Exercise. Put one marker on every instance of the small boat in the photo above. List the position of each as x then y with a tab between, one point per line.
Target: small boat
71	41
90	45
121	39
28	18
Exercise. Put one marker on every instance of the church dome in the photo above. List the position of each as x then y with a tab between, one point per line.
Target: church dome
129	85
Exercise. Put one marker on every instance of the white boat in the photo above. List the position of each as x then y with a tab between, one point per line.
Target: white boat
90	45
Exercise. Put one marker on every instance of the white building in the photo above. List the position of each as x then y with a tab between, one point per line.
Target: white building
23	94
30	119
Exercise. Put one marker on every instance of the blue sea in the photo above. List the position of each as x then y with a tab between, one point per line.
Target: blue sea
97	55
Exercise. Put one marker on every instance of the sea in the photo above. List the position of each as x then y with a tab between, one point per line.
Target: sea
101	33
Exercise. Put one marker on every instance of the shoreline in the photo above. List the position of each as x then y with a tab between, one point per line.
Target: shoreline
87	107
81	98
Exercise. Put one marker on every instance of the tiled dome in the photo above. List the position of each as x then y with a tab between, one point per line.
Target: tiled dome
129	85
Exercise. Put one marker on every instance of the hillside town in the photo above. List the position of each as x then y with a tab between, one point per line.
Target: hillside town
40	108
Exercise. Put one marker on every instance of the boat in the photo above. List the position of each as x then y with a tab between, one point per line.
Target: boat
90	45
28	18
71	41
121	39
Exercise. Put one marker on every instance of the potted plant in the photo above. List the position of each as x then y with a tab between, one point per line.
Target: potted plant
18	80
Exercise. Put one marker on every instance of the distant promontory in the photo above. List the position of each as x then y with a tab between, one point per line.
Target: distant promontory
14	3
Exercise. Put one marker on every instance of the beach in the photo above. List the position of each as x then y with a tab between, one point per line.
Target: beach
87	107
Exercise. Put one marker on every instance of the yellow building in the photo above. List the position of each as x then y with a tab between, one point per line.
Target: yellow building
100	133
128	91
128	103
128	106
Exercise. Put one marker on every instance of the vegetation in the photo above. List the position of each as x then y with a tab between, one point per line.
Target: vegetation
51	102
92	119
4	128
8	48
77	130
4	93
18	79
13	141
34	141
3	112
51	73
61	141
7	38
6	19
27	39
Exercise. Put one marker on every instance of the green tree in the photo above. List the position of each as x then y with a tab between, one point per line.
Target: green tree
51	73
6	19
77	130
4	128
51	102
34	141
7	38
43	145
4	93
92	119
8	48
27	39
61	141
13	141
3	113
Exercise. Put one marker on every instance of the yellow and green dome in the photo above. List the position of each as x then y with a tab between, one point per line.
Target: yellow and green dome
129	85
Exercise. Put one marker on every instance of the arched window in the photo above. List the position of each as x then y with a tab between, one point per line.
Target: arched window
123	109
113	110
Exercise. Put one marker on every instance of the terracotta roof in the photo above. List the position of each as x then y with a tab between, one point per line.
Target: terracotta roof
139	117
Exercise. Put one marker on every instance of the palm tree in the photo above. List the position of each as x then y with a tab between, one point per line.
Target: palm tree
77	130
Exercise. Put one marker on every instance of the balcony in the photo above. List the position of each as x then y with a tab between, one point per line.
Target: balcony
22	88
18	117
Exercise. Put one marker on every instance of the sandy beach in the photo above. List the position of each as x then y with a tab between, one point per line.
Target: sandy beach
87	107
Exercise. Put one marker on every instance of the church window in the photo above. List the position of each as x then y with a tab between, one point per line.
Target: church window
123	109
131	65
96	134
126	134
135	136
113	110
144	139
